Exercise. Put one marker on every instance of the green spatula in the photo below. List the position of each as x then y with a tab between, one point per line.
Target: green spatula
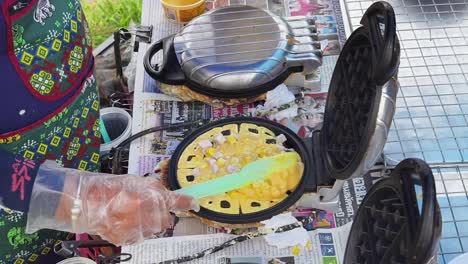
252	172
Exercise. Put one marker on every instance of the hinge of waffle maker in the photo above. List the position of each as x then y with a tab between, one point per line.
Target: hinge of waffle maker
322	191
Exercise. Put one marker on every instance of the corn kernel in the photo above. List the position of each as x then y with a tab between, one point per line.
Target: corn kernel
231	139
210	152
221	162
296	251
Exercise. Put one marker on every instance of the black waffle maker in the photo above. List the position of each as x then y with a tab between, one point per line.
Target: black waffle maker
399	220
358	115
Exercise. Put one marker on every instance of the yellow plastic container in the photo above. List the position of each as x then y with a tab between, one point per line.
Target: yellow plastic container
182	11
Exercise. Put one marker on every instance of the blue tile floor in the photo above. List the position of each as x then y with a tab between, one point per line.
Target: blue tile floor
451	185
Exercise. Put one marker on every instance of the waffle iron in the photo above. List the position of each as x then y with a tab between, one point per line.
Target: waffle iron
362	95
236	52
399	220
358	115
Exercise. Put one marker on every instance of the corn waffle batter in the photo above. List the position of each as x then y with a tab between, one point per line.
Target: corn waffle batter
226	149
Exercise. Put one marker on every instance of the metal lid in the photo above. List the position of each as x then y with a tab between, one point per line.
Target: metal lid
236	52
244	51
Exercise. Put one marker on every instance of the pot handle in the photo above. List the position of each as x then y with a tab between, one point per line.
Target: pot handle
385	45
169	71
415	172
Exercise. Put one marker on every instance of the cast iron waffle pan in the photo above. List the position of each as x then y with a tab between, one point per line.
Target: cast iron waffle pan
292	142
399	220
368	60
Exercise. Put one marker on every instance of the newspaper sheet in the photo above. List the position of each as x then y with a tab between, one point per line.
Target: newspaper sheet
354	191
328	247
154	111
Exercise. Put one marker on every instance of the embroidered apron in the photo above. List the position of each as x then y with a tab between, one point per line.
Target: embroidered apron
50	105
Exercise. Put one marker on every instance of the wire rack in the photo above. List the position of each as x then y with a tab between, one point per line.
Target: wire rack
452	186
431	120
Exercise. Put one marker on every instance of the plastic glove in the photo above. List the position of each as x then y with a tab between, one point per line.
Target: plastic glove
122	209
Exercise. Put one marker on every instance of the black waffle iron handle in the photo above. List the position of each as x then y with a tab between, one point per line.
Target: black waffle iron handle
385	45
425	222
169	71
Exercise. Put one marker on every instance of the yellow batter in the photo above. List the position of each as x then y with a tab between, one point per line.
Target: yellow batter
225	150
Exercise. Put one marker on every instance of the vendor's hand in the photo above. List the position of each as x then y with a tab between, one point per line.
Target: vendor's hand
127	209
122	209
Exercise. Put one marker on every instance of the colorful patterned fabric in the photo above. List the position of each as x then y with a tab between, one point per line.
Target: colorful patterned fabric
49	46
53	47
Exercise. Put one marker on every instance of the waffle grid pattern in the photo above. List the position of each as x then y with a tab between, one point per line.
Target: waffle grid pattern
351	99
385	220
